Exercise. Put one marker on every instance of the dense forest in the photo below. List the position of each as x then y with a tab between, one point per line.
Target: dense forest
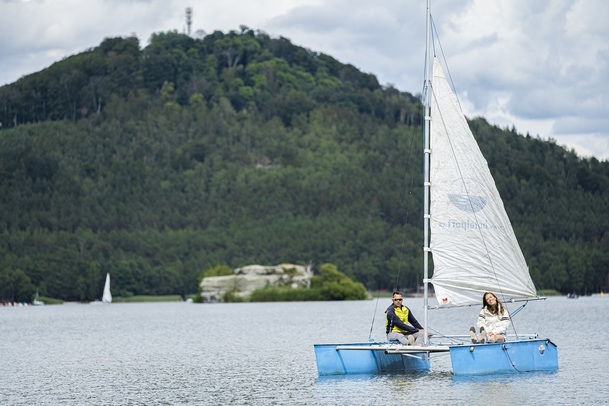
157	163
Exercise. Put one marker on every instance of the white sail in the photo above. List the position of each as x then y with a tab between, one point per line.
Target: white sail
473	246
107	297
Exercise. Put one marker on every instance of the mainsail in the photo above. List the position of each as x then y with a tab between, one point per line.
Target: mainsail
107	297
472	242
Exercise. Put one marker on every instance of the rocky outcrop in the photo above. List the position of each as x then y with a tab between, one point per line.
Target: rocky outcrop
252	277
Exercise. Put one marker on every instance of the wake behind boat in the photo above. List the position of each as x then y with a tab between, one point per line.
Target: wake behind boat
474	249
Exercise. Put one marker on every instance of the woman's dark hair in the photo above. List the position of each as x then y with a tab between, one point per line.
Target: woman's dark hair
497	309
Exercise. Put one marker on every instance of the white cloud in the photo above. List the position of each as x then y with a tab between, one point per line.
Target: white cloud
538	65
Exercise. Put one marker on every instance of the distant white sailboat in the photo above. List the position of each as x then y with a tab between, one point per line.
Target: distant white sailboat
37	302
107	296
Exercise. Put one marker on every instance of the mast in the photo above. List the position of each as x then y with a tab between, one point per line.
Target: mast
426	165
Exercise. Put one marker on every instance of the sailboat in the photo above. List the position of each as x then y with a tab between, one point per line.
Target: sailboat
36	301
107	296
474	249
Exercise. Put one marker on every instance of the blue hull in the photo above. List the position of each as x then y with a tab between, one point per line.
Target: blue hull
333	361
509	357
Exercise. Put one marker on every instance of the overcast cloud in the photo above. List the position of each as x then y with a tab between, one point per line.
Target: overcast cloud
539	65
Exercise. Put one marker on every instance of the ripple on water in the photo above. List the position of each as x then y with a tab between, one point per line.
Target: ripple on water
262	354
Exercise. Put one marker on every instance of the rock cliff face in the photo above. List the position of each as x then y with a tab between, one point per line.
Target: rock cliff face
252	277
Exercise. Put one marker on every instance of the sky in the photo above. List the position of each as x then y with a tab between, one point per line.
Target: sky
541	66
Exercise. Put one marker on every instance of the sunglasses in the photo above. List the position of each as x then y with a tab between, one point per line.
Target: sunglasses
397	300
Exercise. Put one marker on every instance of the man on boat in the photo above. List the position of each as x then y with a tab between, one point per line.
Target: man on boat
401	325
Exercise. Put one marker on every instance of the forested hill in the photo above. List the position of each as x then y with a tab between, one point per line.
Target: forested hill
156	164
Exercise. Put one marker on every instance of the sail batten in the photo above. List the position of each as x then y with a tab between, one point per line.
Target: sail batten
472	242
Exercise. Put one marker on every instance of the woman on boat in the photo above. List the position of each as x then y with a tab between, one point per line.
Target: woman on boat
493	321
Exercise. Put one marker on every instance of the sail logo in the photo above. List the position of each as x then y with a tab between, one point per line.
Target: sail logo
469	199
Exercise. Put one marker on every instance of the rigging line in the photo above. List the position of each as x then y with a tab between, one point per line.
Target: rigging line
407	207
452	84
515	312
509	358
537	288
512	314
376	305
409	203
423	98
441	335
425	69
396	211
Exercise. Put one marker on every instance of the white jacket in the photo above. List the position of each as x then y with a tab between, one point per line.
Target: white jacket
496	324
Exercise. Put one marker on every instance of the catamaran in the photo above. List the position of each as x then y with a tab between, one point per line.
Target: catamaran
474	249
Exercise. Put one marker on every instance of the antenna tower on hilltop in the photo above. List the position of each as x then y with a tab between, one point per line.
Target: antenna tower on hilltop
188	19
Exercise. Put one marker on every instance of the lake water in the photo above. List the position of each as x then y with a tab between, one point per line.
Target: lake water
262	354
